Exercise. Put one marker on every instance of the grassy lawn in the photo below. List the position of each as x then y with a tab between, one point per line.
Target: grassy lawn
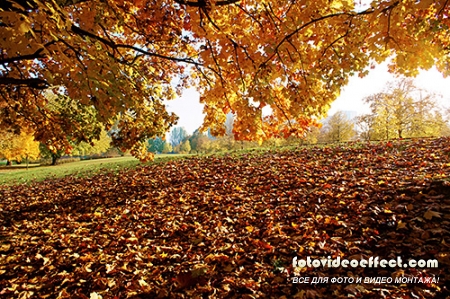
80	169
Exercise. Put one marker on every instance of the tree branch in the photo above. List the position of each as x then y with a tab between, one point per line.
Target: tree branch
203	3
296	31
25	5
35	83
35	55
77	30
251	16
442	8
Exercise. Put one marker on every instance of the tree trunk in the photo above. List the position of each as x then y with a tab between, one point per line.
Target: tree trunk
8	162
54	159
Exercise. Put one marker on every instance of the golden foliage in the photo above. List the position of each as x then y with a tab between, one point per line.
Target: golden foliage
97	147
402	110
18	146
121	57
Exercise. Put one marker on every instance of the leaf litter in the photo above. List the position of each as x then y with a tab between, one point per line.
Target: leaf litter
229	227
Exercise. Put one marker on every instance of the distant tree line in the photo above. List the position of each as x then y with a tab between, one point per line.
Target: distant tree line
21	147
401	110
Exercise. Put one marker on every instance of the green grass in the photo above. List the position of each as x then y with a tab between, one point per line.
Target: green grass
84	168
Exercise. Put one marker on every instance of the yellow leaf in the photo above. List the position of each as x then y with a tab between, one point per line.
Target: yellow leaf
143	283
401	225
336	4
23	27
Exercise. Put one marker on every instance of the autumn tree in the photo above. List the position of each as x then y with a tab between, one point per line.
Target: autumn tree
54	154
196	139
97	147
29	147
311	136
8	146
125	58
226	142
167	148
18	146
185	147
402	110
338	128
365	126
78	123
204	145
428	121
439	125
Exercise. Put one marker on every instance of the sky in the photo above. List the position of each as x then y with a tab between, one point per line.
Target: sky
189	109
352	95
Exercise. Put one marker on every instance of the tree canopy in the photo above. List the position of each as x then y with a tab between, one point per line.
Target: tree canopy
403	110
18	146
338	128
125	58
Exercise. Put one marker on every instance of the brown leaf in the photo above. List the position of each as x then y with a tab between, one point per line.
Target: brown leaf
430	214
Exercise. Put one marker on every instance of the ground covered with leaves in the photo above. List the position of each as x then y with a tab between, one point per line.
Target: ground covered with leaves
229	227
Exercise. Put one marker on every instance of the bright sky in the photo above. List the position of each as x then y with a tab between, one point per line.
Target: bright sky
352	95
189	109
